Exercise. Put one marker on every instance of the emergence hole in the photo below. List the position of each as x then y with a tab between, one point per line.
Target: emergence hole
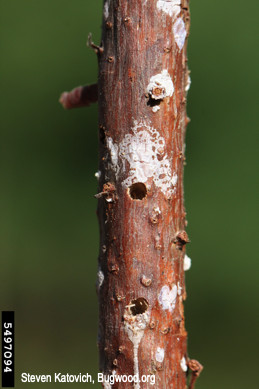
153	102
138	191
138	306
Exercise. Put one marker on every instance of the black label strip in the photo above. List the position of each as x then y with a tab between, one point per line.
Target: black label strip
7	349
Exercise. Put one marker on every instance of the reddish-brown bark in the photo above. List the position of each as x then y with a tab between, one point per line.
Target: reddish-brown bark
141	207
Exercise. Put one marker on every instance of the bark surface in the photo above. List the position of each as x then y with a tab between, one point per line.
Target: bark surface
142	86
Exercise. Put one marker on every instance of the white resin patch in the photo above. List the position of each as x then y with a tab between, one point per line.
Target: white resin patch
161	81
167	297
188	85
183	364
106	9
179	33
98	174
156	108
187	262
174	179
170	7
143	152
100	279
135	327
113	147
160	354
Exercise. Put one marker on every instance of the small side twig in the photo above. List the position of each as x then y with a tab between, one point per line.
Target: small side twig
90	43
82	96
108	192
196	369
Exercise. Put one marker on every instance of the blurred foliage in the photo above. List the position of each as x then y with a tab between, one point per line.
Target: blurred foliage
48	157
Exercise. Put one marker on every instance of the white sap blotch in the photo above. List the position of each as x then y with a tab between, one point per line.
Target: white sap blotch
188	84
106	9
156	108
143	152
157	210
187	262
135	327
170	7
179	289
183	364
167	297
179	33
98	174
174	179
162	81
100	279
107	385
160	354
113	151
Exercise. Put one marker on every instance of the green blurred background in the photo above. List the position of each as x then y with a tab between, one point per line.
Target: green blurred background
48	157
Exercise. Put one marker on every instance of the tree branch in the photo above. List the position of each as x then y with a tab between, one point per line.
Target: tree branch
196	369
82	96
